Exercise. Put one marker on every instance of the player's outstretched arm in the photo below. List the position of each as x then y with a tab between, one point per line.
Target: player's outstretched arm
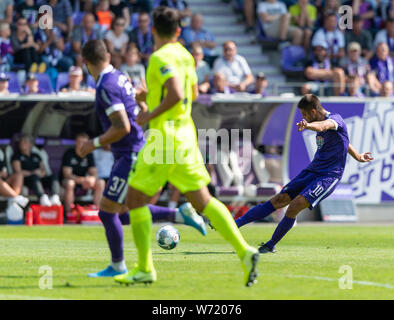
120	126
174	95
363	157
318	126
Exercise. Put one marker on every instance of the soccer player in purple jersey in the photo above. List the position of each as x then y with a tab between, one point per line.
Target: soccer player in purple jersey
117	111
319	179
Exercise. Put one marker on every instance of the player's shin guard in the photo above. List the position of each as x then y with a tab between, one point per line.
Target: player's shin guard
114	234
223	222
141	226
283	227
256	213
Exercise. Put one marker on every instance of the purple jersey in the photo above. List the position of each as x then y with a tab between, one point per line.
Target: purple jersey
114	92
332	148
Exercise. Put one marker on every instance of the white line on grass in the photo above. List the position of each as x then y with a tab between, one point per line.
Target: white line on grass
364	283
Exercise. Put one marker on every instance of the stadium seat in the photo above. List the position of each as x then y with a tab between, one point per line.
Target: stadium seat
44	82
62	80
292	57
14	86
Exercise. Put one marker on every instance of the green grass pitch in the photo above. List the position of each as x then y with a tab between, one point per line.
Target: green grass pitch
306	265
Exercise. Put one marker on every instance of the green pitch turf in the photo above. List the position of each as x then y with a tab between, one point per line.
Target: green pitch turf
306	266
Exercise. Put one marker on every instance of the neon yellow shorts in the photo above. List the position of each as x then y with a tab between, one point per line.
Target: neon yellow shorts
153	169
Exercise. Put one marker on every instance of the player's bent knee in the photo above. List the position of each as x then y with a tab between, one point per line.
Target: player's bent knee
296	206
281	200
110	206
136	199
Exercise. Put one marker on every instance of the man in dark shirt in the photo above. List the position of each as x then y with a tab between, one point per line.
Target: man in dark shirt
81	172
31	166
362	37
142	37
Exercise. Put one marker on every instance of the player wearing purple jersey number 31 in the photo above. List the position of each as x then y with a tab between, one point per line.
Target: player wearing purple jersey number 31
117	110
319	179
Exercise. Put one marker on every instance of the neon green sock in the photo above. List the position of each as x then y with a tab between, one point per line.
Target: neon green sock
224	223
141	226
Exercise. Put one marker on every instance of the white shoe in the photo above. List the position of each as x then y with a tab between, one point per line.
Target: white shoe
21	200
55	200
44	201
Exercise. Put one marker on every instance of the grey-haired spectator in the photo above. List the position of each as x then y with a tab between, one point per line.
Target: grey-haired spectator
31	165
332	37
142	37
234	67
82	34
133	67
6	10
23	44
62	16
220	84
196	34
382	67
260	85
276	21
361	36
4	84
386	35
354	64
202	69
116	40
387	89
322	73
5	47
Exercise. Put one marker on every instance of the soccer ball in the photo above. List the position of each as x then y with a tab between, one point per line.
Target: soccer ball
167	237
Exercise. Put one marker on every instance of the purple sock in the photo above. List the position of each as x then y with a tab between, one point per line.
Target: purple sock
283	227
162	213
114	234
256	213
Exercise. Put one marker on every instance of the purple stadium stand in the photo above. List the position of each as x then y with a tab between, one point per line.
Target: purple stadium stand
13	85
62	80
292	55
44	83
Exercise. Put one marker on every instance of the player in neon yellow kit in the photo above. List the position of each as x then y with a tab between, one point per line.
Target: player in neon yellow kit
171	152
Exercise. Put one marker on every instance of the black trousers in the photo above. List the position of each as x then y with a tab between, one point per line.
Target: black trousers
38	184
26	56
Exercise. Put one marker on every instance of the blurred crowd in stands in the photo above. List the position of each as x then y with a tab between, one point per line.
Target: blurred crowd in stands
348	62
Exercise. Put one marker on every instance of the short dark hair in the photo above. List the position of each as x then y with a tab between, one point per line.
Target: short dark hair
309	102
166	21
95	51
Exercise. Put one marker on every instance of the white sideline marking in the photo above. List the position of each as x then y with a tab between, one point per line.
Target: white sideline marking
364	283
19	297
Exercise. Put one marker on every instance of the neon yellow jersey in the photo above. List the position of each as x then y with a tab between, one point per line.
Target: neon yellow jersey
176	124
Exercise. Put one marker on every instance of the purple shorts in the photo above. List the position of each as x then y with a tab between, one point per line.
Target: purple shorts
313	186
116	187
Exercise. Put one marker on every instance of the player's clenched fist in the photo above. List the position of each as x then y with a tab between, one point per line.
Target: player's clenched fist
303	124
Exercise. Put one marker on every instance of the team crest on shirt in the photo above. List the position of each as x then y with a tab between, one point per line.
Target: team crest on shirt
319	141
165	70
